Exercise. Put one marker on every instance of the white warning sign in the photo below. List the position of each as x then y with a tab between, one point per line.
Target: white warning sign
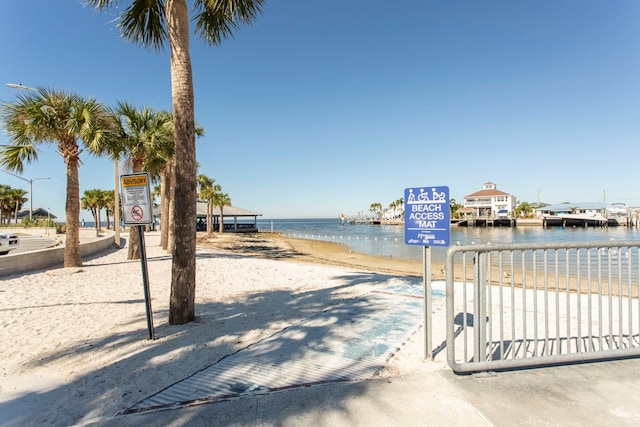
136	198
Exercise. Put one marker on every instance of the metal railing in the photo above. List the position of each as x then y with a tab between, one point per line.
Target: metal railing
522	305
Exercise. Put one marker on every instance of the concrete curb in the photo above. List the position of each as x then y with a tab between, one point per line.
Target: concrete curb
37	260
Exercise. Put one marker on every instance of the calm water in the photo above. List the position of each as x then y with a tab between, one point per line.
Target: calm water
388	240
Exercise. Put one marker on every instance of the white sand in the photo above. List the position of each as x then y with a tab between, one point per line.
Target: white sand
75	342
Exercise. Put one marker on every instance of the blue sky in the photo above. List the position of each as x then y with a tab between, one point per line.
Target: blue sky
323	108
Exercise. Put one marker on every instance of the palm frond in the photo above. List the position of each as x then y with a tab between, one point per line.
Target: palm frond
14	157
144	23
216	20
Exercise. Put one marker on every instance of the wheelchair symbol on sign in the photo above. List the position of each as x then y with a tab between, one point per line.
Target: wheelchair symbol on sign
136	213
424	196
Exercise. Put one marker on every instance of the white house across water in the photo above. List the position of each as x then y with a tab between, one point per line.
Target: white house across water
489	203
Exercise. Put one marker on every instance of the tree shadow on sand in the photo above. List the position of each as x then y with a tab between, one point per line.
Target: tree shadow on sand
252	245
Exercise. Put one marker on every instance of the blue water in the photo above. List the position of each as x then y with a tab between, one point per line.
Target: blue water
388	240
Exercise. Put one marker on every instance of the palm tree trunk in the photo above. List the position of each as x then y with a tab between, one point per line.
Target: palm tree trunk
221	219
72	212
134	244
183	269
164	206
171	245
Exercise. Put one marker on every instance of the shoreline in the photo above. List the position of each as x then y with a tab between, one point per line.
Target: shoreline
279	247
276	246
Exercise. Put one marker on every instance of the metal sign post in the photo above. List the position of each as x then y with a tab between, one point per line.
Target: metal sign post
427	221
145	283
136	207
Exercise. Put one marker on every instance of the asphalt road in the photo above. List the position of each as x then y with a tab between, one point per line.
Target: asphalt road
34	243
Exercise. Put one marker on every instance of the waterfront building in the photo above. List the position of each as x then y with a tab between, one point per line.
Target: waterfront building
38	213
488	203
584	214
607	210
234	219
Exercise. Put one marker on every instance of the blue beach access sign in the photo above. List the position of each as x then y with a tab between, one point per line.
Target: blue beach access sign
427	216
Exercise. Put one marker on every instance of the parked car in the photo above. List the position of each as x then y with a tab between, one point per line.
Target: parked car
8	242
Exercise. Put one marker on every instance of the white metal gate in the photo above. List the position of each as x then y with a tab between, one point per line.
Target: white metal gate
521	305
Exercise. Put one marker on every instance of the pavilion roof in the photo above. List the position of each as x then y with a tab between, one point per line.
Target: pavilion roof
228	211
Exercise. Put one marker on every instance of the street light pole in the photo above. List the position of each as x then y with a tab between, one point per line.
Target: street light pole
30	181
31	197
116	197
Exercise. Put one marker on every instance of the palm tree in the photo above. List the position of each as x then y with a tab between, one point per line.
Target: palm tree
94	201
152	23
157	163
524	209
400	205
5	202
16	200
221	200
376	208
64	119
454	207
108	202
392	206
207	193
90	201
144	135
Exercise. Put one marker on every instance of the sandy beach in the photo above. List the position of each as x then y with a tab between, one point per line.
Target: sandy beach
75	341
276	246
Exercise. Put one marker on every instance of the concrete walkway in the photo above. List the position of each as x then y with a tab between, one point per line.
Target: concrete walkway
600	394
605	394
